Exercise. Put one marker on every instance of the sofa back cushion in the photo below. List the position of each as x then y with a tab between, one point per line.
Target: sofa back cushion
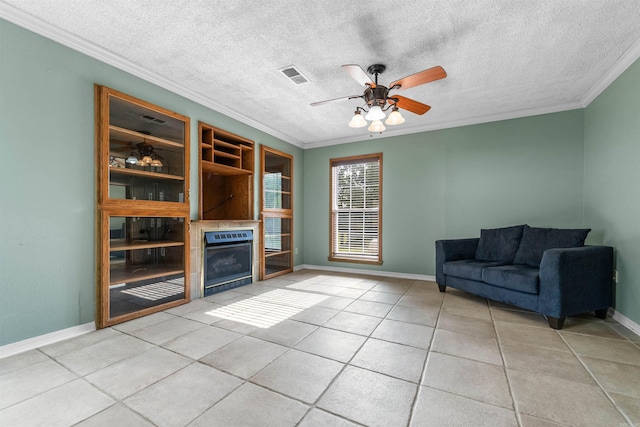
537	240
499	244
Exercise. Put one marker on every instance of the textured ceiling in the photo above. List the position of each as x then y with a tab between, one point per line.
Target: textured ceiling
504	58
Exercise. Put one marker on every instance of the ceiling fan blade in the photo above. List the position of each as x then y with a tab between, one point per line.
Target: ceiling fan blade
417	79
344	98
359	74
410	105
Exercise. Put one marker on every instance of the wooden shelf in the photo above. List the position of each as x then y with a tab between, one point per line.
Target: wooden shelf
135	273
268	253
226	144
116	245
127	135
218	169
148	174
225	154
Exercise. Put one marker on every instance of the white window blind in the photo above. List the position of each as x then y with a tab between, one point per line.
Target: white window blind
355	208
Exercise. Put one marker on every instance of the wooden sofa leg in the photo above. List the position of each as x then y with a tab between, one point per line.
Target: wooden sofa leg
442	288
602	314
556	322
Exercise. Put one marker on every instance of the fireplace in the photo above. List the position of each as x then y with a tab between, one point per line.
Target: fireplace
228	260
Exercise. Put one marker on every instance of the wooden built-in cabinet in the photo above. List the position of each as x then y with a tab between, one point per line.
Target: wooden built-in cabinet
142	207
226	174
276	208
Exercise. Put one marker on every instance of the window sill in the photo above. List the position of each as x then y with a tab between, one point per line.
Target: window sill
356	260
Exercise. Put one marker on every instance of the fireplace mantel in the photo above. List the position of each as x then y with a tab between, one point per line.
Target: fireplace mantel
198	228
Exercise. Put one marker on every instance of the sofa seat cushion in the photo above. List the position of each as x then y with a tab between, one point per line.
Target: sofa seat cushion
470	269
499	244
522	278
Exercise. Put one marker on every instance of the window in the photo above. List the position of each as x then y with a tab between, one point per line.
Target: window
356	209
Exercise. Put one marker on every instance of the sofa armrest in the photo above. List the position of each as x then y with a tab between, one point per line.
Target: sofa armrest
576	280
453	250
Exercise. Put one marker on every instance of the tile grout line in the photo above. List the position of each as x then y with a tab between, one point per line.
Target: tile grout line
606	393
314	405
426	363
504	367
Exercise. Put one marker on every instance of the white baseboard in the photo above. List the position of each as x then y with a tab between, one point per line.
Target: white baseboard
42	340
367	272
625	321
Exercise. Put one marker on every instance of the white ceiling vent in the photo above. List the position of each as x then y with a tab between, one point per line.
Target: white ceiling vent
294	75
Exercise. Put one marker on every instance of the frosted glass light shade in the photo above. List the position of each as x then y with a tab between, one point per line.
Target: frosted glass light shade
156	163
375	113
395	118
376	126
357	121
132	159
147	159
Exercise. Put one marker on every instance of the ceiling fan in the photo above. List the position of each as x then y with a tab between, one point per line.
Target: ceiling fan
377	96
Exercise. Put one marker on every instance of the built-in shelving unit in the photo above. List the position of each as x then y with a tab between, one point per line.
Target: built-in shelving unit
276	207
226	174
143	207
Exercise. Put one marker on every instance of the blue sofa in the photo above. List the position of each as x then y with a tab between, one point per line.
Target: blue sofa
546	270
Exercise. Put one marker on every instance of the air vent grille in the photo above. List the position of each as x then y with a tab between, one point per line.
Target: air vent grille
150	118
294	75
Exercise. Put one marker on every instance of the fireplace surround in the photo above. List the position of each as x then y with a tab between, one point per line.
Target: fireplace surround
199	250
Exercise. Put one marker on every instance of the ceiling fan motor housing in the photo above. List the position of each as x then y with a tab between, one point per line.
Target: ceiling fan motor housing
376	96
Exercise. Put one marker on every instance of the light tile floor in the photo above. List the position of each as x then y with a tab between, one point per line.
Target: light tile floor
316	348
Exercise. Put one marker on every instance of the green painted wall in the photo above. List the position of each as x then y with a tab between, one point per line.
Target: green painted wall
612	181
570	169
451	183
47	191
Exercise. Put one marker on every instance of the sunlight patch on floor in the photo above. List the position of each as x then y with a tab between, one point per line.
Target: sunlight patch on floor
268	309
155	291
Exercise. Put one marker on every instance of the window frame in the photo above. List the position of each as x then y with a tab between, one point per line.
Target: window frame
365	158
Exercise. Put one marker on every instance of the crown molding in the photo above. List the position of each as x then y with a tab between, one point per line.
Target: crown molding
81	45
630	56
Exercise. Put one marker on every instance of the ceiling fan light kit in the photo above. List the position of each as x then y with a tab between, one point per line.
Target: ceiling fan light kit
377	97
375	113
376	127
357	121
395	118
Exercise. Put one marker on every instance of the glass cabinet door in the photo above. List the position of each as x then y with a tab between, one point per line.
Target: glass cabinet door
277	244
277	212
146	153
146	263
142	207
276	181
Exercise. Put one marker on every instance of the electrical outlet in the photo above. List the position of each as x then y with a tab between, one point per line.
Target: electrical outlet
162	252
152	222
296	251
148	251
615	276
